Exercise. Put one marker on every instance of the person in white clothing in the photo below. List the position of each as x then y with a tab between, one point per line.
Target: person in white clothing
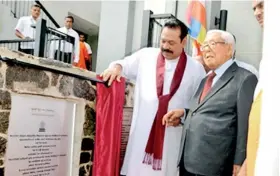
23	29
67	51
165	78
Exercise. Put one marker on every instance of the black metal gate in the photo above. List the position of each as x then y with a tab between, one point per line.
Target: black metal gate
156	22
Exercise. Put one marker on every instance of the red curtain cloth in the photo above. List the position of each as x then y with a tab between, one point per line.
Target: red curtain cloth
109	114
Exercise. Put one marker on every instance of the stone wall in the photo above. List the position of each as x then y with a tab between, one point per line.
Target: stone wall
16	78
27	80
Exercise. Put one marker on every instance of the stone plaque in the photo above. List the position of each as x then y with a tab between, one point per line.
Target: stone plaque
127	118
40	136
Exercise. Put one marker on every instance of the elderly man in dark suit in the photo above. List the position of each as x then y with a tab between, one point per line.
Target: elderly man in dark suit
215	129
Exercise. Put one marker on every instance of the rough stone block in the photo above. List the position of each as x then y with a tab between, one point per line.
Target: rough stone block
54	79
1	171
4	122
1	80
82	171
87	144
89	168
90	118
22	74
92	153
3	142
84	157
1	162
66	85
5	100
83	89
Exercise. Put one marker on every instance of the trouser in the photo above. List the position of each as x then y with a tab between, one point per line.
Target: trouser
63	56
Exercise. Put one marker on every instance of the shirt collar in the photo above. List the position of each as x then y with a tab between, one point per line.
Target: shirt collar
67	29
220	70
31	17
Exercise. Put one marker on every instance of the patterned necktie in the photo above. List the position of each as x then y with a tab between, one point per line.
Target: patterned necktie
207	85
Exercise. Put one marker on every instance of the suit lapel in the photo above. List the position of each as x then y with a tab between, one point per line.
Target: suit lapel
223	80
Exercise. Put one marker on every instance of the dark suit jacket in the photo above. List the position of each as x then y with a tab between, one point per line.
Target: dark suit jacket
215	131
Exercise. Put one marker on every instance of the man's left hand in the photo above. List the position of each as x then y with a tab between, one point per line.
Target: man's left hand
236	169
173	118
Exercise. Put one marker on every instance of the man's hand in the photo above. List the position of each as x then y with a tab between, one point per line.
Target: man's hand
173	118
236	169
243	169
112	73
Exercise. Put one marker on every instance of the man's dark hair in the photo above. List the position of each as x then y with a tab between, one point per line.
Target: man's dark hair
70	17
83	34
175	23
36	5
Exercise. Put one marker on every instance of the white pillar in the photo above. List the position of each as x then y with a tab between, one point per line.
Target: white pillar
115	32
157	6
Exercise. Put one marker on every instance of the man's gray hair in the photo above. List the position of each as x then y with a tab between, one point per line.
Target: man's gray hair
228	37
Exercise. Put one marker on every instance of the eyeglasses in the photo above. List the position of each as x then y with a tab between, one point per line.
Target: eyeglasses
211	44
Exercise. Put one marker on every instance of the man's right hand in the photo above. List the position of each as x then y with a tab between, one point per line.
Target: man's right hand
112	73
173	118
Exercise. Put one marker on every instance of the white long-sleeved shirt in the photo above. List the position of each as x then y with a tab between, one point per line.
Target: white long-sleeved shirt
66	46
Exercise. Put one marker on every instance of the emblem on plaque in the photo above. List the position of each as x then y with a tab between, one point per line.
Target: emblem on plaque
42	127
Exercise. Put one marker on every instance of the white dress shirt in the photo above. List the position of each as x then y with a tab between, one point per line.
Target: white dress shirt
24	27
67	47
221	70
88	48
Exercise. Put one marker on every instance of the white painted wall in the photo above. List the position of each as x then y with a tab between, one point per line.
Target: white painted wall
157	6
88	10
242	23
7	24
93	42
115	34
138	17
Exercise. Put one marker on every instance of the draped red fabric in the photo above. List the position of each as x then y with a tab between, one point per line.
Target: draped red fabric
109	113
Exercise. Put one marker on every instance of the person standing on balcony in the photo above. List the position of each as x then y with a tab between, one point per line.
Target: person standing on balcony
84	56
85	59
166	78
24	30
65	52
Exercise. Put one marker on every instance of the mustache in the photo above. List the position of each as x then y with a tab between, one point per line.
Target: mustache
166	50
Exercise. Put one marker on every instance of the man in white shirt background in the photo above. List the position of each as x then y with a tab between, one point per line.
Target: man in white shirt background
23	29
66	49
89	62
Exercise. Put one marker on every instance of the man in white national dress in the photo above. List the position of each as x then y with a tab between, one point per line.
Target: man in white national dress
166	78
